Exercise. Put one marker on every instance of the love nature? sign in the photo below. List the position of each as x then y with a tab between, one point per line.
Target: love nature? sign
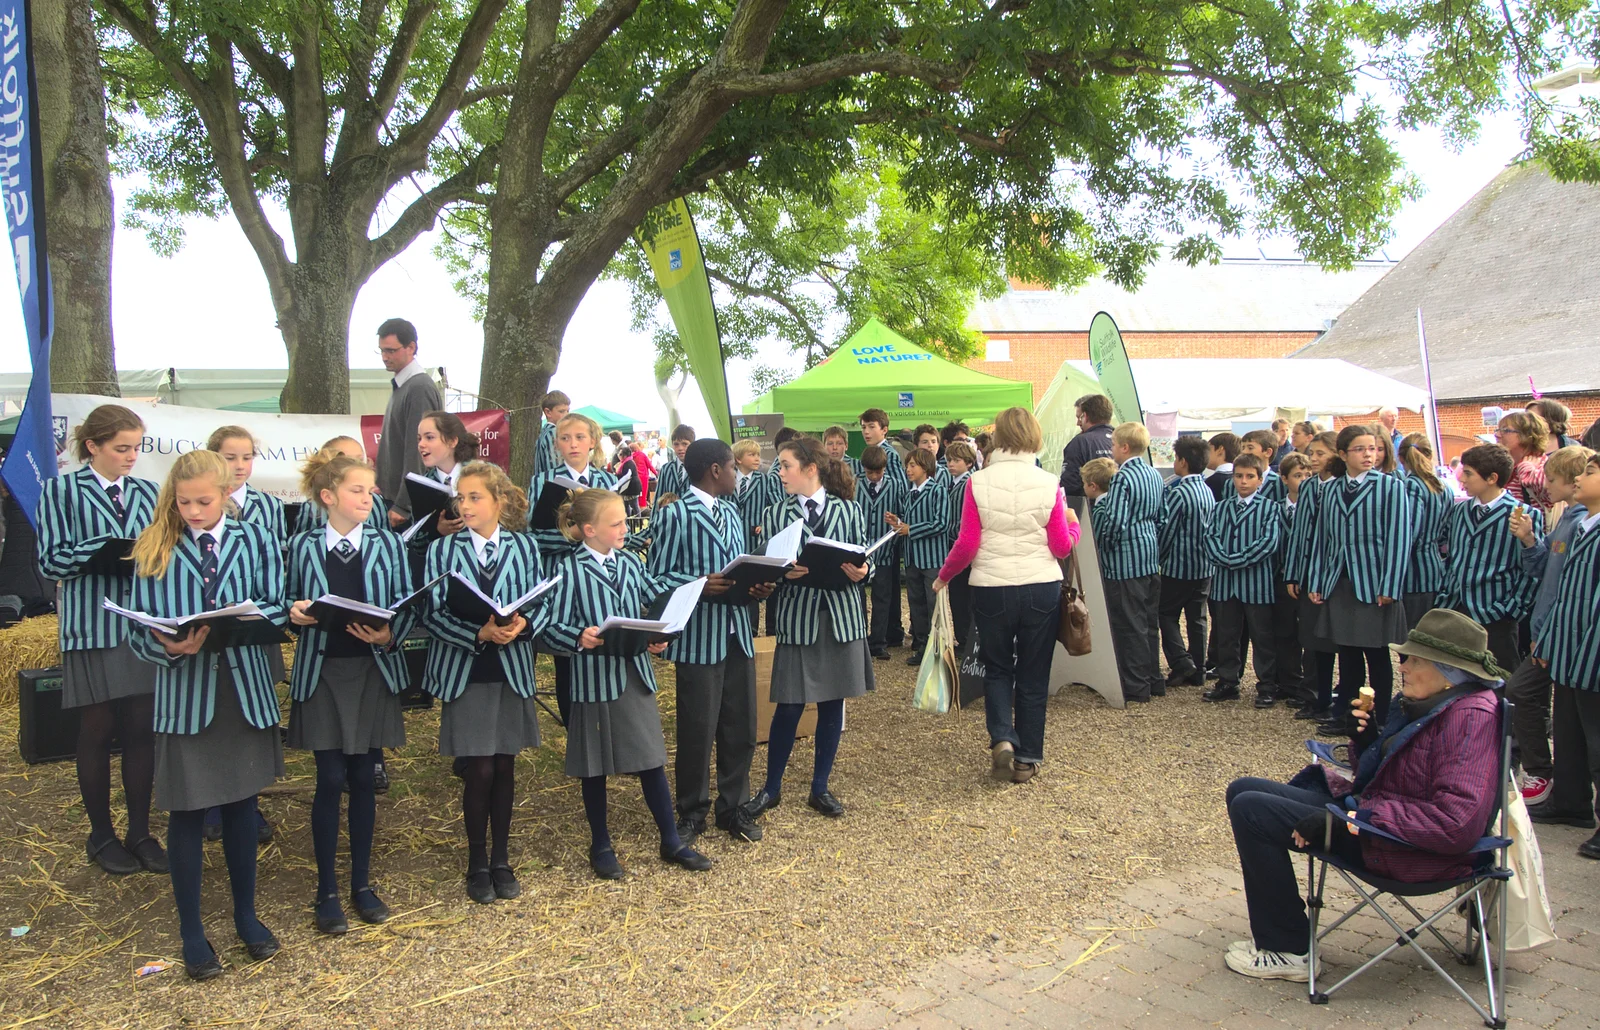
885	352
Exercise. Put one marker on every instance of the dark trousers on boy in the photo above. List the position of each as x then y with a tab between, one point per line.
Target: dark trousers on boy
1576	723
1529	689
1292	679
961	608
1504	641
885	609
716	704
919	598
1238	622
1134	608
1186	598
897	629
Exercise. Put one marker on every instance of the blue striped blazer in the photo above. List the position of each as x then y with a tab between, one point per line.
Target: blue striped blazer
249	567
587	597
1125	521
1568	640
758	491
1429	512
1243	544
75	519
797	610
1186	507
518	569
958	497
264	510
1300	529
1271	488
552	544
889	498
895	469
314	516
1483	573
670	479
545	457
687	543
928	514
1361	532
387	577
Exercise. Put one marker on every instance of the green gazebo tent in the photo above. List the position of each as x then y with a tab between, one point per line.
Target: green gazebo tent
879	368
608	420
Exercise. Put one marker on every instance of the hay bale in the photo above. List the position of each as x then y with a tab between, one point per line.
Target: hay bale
30	644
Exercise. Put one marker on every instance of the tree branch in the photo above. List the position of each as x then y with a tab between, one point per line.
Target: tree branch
410	147
473	96
748	290
272	69
940	76
420	216
616	143
406	35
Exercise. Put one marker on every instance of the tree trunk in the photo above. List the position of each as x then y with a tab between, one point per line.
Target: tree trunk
521	345
669	394
78	204
316	332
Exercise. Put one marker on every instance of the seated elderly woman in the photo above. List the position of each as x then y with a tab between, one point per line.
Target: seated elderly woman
1428	778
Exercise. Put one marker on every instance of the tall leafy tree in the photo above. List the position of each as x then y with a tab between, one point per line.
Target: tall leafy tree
332	109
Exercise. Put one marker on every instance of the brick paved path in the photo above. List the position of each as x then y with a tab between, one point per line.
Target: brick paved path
1153	959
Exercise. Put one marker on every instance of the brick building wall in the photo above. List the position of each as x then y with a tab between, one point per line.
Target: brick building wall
1466	419
1036	357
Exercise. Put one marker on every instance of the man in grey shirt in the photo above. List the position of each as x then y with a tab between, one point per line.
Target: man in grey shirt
414	396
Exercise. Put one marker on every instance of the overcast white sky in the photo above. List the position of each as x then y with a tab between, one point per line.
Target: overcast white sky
208	306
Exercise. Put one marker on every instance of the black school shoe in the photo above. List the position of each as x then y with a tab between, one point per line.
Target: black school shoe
762	802
1546	814
209	969
827	804
739	826
151	855
1309	710
370	907
1222	692
686	857
1265	700
506	886
260	951
380	778
914	658
881	654
1185	678
1590	848
605	865
111	856
480	887
689	830
330	917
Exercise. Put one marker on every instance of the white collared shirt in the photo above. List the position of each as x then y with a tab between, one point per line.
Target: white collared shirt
479	543
1358	479
1589	523
106	484
239	495
331	537
916	488
576	474
1490	504
451	478
603	560
1288	503
215	531
1225	469
413	369
705	498
820	497
1246	499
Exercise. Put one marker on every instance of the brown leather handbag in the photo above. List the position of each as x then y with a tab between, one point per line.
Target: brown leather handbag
1073	631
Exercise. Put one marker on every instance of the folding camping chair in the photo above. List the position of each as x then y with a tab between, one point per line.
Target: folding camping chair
1491	871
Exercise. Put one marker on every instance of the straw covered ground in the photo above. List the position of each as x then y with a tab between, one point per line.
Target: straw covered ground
932	858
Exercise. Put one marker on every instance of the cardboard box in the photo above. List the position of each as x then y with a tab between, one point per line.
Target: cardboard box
766	647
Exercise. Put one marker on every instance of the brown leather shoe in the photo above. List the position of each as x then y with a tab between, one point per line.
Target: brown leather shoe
1022	772
1000	760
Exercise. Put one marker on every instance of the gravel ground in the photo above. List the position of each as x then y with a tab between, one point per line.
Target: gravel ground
932	858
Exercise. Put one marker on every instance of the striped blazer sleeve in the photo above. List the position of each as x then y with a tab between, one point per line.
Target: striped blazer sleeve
440	620
1568	639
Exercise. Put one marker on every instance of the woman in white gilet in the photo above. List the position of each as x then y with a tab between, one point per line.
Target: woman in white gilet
1015	528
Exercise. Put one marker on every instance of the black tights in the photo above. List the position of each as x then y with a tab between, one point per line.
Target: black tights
186	860
97	725
657	798
1359	666
334	770
486	799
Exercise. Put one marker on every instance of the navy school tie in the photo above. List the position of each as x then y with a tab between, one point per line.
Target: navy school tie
208	570
114	492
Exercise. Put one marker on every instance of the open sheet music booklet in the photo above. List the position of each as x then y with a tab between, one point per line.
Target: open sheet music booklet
333	613
467	600
628	637
237	625
428	496
749	570
551	497
824	560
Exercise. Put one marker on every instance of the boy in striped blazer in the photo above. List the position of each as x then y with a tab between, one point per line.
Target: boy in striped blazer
715	656
960	461
880	499
1569	647
1126	539
555	405
1243	544
1294	684
1484	578
926	438
1186	570
925	526
671	478
875	431
1262	443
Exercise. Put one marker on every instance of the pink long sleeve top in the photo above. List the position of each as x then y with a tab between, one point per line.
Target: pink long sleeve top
1060	535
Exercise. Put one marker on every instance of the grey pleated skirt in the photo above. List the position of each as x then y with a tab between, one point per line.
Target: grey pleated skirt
1310	639
351	711
229	760
825	671
1418	605
280	674
99	674
1349	623
488	719
610	738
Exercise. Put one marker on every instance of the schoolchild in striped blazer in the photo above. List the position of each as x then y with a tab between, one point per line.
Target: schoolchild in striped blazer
313	515
754	492
1484	577
238	449
880	498
1304	531
77	515
345	687
555	406
1294	677
1186	571
924	525
926	438
444	446
1357	570
484	674
615	725
582	460
1127	542
671	477
1569	647
1263	444
875	431
960	461
822	656
216	714
1242	542
715	656
1430	507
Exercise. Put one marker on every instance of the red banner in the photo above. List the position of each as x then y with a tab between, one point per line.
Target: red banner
494	437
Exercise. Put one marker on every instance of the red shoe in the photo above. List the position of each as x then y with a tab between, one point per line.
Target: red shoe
1535	789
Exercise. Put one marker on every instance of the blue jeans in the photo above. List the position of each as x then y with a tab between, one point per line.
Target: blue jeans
1017	640
1264	814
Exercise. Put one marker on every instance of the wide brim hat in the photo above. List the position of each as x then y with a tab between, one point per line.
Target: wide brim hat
1453	639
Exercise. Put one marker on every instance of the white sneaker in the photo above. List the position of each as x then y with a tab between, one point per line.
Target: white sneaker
1269	965
1245	946
1535	789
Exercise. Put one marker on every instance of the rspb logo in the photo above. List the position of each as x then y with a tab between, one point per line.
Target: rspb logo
739	421
675	259
907	400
